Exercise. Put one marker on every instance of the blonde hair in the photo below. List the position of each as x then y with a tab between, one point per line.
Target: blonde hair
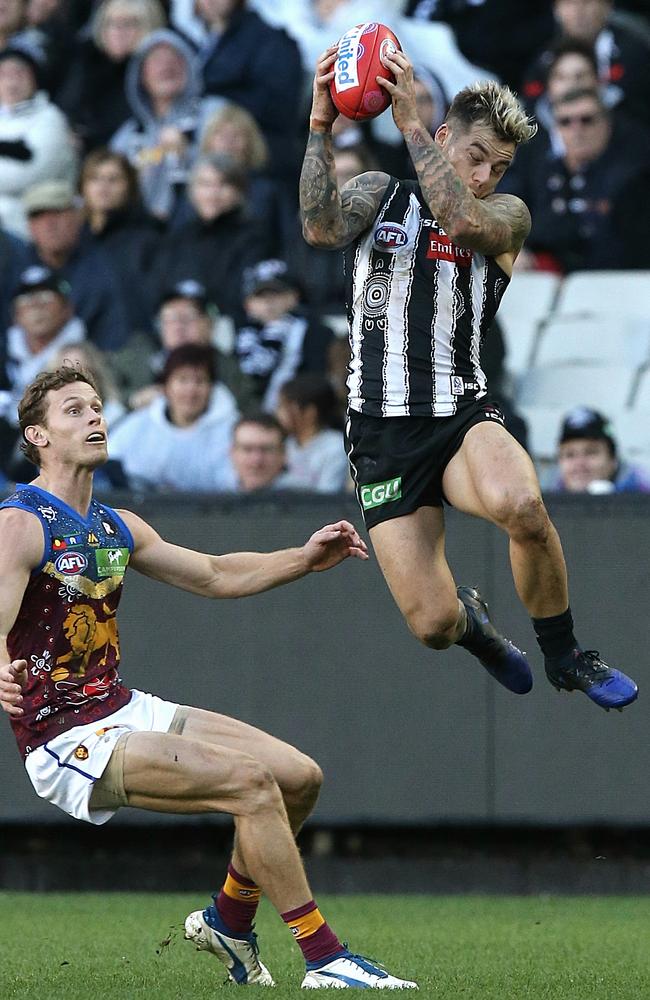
487	102
257	152
150	13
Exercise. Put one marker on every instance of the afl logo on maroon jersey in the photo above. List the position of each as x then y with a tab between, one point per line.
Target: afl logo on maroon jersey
70	563
389	237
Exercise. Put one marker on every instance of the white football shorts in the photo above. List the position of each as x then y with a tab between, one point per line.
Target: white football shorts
64	770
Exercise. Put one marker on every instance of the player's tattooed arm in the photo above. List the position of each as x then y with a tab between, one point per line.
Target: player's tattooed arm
333	218
494	225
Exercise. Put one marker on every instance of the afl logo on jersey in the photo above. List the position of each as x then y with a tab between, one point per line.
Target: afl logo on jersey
70	563
390	237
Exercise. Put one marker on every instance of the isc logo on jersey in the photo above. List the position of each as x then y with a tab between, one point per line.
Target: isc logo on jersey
70	563
346	73
389	237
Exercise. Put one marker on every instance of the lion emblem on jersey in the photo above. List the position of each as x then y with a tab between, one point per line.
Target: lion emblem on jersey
86	634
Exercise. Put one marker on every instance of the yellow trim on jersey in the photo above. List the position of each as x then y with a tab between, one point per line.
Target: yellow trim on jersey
85	586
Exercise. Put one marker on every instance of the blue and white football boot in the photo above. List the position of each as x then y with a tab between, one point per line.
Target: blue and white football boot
239	953
348	971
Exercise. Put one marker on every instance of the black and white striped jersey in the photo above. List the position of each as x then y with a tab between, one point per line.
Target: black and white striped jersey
419	308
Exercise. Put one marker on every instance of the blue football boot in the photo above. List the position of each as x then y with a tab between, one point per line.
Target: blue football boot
500	657
585	671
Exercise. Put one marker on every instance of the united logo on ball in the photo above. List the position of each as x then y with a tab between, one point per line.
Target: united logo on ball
360	60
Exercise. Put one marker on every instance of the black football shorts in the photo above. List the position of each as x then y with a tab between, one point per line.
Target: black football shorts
397	463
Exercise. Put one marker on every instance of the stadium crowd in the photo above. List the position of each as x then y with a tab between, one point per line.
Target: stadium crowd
149	163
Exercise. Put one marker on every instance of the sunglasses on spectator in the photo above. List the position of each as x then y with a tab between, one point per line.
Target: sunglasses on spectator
565	120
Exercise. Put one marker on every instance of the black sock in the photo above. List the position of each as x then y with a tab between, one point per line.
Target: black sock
555	634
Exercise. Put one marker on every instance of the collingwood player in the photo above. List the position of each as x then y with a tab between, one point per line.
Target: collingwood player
427	263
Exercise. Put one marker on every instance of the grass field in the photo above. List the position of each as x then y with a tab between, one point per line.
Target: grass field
110	947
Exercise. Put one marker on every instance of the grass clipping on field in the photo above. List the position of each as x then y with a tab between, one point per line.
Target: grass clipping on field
131	947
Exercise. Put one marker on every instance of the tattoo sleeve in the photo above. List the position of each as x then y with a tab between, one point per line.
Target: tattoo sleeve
333	218
494	225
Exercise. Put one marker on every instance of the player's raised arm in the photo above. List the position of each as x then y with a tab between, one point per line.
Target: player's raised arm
21	549
333	218
239	574
458	172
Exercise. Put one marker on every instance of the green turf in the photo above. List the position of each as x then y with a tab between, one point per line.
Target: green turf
110	947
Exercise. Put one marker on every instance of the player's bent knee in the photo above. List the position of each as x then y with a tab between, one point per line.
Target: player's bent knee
259	790
525	519
438	631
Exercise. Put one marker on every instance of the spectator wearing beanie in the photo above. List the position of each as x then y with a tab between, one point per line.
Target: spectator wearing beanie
588	460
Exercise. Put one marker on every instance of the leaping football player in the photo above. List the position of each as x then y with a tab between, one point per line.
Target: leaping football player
427	263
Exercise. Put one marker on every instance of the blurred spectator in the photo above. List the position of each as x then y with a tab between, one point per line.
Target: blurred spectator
185	316
116	222
573	196
572	64
308	409
180	441
54	24
93	94
257	455
14	29
588	459
163	88
217	242
14	257
275	343
496	34
35	140
622	54
233	132
44	321
258	67
55	223
315	24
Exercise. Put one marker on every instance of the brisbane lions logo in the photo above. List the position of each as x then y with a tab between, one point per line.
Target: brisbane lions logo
86	635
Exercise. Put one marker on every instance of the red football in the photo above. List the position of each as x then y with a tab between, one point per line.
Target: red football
354	89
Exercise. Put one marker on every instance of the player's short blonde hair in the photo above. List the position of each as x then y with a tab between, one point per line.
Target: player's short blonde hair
487	102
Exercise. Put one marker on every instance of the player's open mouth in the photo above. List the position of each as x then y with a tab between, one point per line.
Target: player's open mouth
96	438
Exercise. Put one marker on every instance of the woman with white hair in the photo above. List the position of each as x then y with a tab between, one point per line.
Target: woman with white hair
93	93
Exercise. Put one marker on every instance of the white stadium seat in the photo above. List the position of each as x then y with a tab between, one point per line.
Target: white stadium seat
632	433
603	387
527	301
624	293
641	396
543	424
602	339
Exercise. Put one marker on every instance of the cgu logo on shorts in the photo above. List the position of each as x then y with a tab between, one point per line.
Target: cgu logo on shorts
345	67
389	237
376	494
70	563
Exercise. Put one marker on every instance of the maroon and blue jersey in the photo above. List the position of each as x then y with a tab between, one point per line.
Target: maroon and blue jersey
66	627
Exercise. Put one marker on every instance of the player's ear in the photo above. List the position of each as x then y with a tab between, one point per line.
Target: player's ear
442	134
34	434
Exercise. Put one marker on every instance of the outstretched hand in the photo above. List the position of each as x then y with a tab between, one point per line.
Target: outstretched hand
332	544
13	677
402	91
323	113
